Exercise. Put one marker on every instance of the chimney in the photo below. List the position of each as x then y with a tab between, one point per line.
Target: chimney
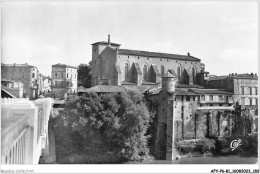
14	64
252	74
108	42
188	54
26	63
235	74
255	74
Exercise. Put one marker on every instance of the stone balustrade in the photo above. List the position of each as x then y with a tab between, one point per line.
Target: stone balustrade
24	130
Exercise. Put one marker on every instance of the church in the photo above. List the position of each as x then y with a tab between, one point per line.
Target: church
115	66
175	84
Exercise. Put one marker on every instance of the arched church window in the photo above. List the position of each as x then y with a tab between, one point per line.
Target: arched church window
126	70
193	72
144	71
179	72
162	70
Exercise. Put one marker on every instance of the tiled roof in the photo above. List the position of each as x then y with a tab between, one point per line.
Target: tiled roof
114	88
106	43
179	85
210	91
148	83
179	91
104	89
156	54
127	83
64	65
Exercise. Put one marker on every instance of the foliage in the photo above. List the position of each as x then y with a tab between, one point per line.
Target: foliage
113	124
84	75
202	145
248	147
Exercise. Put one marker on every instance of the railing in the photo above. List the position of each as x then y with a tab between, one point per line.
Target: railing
24	130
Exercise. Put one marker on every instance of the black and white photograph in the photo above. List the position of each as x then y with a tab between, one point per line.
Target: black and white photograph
129	86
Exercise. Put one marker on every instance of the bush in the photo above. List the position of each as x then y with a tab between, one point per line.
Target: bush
113	124
202	145
248	147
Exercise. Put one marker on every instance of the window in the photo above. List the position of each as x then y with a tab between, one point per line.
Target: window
251	101
220	104
250	89
220	98
144	72
187	98
243	100
193	74
67	75
179	72
33	75
256	101
71	76
256	93
162	70
202	97
243	90
75	76
211	104
56	83
126	70
211	98
193	98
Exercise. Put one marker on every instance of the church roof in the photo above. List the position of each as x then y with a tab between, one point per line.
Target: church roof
157	55
106	43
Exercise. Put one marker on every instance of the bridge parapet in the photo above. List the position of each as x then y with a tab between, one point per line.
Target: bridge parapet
24	130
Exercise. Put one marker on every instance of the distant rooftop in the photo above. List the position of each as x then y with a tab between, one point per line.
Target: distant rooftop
157	54
64	65
19	65
210	91
234	75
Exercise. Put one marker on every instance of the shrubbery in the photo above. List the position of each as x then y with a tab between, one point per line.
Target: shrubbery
202	145
105	125
248	147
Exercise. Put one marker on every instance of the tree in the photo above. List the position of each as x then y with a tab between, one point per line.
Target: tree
114	124
84	75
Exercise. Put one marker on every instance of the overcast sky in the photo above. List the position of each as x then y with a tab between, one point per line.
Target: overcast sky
224	35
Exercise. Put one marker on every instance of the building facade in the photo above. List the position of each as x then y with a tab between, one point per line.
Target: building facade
13	87
115	66
64	79
24	73
244	87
